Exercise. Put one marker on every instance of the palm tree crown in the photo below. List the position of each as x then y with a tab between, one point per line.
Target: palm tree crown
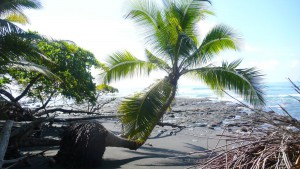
12	10
170	31
18	48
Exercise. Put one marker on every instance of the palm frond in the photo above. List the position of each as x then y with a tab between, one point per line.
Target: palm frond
188	13
20	47
32	67
17	18
124	64
149	16
245	82
185	46
9	28
144	13
140	113
221	37
158	62
17	6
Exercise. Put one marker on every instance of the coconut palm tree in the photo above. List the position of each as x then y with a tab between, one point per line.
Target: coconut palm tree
12	10
174	48
17	47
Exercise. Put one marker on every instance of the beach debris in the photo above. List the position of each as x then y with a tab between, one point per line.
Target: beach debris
274	147
275	144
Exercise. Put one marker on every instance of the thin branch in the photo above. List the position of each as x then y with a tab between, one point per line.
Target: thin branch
46	103
26	90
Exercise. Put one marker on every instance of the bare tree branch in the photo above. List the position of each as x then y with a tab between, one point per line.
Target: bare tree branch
63	111
27	88
7	94
46	103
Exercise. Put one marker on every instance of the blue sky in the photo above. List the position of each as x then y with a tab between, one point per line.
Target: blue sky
269	31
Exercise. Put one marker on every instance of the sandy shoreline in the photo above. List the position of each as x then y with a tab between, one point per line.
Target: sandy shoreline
170	147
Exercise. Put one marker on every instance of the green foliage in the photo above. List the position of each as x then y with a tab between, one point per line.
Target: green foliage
140	113
106	88
12	10
173	46
123	64
70	63
242	81
73	65
17	46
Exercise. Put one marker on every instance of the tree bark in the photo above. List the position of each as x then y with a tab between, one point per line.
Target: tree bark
111	140
4	140
7	94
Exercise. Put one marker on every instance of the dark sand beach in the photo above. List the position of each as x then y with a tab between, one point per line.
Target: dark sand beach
204	120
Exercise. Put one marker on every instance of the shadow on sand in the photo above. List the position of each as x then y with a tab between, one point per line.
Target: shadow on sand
155	157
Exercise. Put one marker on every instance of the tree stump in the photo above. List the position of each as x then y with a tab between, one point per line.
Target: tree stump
82	145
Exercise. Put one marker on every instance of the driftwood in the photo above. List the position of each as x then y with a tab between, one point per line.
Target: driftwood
171	125
4	140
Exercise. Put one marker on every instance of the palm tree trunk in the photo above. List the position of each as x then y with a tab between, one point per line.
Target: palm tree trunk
83	144
112	140
169	101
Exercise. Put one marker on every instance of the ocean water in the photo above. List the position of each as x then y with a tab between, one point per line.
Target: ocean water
276	95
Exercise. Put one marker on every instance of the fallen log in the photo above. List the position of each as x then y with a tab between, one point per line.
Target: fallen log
37	142
26	129
84	118
4	140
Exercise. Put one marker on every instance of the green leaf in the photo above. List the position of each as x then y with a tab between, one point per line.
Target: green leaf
124	64
32	67
221	37
245	82
158	62
17	6
140	113
106	88
18	18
